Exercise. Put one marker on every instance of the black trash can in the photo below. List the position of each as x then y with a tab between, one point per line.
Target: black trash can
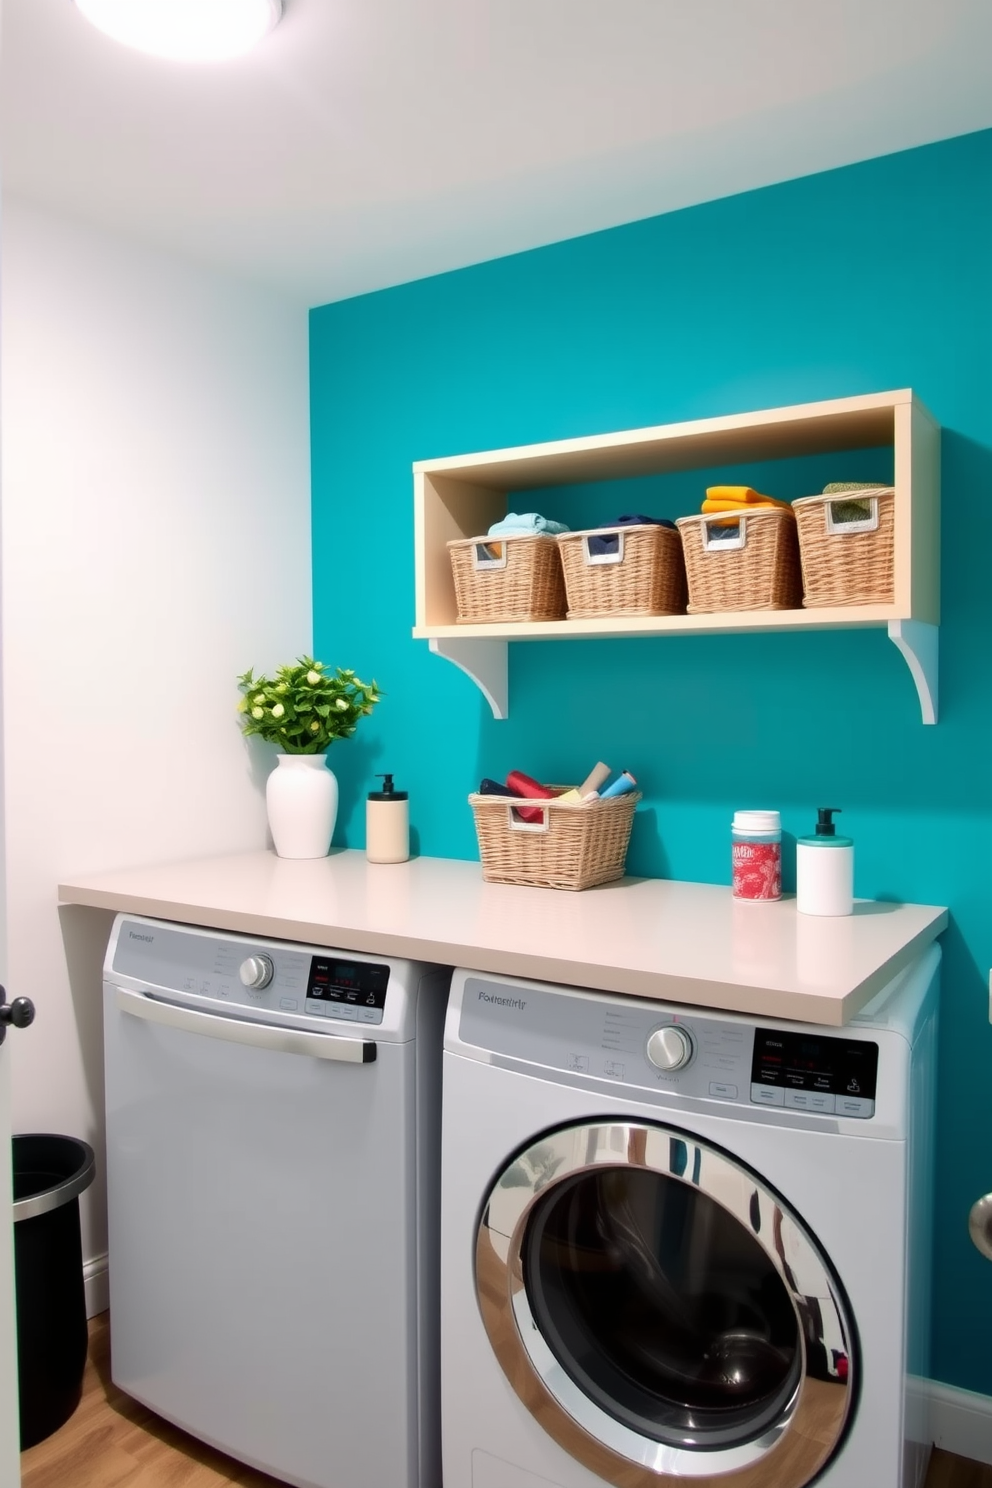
50	1173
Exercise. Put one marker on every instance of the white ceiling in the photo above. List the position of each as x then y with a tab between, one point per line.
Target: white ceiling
368	142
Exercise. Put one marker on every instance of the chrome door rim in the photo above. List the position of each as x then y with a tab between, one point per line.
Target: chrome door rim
795	1448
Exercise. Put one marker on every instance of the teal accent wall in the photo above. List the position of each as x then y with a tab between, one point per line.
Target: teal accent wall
874	277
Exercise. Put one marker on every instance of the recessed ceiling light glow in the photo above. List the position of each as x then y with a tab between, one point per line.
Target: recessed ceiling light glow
185	30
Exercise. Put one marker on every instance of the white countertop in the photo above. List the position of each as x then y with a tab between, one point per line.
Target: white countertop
648	937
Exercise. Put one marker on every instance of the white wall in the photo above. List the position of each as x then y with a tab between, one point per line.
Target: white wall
156	542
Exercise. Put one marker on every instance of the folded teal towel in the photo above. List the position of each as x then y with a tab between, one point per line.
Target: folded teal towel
519	524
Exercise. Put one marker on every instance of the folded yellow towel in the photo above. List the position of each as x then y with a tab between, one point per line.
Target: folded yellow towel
743	506
727	500
734	513
738	498
738	494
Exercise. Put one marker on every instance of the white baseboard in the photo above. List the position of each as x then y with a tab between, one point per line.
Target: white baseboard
961	1421
96	1279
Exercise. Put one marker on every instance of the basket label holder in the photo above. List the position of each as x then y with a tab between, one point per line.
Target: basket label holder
839	525
593	560
723	536
516	825
484	556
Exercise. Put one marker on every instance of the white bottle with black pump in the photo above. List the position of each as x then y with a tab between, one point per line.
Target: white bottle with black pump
825	869
387	824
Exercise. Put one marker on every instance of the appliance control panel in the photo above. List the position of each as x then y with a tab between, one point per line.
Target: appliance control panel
814	1072
649	1046
236	973
354	990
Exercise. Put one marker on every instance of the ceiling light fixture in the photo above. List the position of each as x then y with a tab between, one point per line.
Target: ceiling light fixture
185	30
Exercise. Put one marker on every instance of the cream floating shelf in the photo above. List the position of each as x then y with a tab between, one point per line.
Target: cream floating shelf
462	496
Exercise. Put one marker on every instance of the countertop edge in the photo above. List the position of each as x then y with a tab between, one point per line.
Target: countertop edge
831	1009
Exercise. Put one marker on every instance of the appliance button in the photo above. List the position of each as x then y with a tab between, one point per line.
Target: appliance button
855	1105
725	1092
289	1003
767	1095
369	1015
343	1010
822	1104
579	1062
613	1069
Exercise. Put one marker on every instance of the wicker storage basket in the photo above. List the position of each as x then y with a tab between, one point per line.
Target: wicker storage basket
507	578
847	546
571	847
750	562
642	574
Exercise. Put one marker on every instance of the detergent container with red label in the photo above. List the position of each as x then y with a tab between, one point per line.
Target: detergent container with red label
756	838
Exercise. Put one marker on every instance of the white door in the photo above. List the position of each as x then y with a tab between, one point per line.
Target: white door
10	1461
10	1473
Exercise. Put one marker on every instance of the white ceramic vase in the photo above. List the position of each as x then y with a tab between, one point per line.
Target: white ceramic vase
301	796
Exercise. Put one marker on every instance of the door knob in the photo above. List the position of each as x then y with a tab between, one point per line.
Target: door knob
980	1224
17	1014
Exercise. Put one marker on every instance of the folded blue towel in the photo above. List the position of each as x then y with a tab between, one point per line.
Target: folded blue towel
520	524
599	546
638	519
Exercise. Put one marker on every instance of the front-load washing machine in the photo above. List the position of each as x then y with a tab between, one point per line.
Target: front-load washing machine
682	1246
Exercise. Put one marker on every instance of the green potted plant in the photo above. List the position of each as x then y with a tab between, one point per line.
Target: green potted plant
302	709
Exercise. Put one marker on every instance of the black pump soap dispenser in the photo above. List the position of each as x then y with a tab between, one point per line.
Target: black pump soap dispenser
387	824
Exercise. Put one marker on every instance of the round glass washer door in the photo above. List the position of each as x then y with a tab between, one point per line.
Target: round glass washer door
662	1313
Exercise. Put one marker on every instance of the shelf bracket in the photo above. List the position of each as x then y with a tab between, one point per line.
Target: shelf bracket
917	640
484	662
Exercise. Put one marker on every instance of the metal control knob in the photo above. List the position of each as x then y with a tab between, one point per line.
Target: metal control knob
980	1224
256	971
670	1048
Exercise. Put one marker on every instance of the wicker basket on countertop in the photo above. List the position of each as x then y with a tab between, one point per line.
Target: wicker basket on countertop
746	560
507	579
847	546
642	573
572	846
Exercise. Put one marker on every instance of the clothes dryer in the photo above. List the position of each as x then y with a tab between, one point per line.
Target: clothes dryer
682	1246
273	1154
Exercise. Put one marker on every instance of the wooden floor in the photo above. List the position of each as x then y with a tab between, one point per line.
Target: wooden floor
112	1442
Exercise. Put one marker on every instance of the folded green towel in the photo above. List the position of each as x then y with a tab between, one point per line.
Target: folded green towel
836	487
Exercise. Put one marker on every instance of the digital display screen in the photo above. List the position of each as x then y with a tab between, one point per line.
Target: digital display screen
357	984
800	1061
